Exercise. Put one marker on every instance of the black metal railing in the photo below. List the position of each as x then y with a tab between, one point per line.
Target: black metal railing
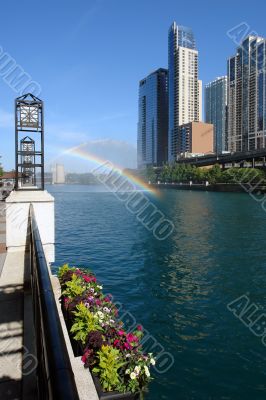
55	378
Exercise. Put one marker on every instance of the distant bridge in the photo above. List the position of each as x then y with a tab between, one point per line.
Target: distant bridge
252	156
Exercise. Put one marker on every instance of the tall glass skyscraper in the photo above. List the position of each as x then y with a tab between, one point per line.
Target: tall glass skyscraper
247	96
183	85
153	119
216	111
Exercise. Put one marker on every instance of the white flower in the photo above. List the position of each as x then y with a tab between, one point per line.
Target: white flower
133	375
99	287
152	361
128	355
106	309
137	369
147	372
100	314
127	371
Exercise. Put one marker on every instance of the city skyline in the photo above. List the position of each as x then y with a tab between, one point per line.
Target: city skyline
109	120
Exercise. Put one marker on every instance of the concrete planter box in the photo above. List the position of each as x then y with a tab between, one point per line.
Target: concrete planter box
112	395
78	350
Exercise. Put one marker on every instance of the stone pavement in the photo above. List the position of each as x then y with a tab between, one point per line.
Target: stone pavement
11	326
2	235
17	368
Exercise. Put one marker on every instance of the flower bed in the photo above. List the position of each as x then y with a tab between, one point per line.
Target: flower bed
119	367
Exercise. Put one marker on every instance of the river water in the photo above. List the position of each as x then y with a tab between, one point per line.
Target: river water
179	288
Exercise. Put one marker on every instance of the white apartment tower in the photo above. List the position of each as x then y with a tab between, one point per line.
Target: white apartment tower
185	89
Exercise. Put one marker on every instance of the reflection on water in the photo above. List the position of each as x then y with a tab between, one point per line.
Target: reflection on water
178	288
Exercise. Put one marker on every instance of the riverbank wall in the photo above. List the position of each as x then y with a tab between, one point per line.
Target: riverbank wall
217	187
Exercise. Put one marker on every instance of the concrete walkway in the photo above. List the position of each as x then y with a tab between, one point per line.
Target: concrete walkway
11	326
17	350
18	362
2	235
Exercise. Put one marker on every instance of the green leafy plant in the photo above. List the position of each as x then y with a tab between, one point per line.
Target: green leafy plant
84	322
110	362
63	270
74	287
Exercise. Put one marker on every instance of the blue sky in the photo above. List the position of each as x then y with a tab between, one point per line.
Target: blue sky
88	56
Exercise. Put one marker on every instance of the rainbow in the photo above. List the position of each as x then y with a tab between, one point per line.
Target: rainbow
84	154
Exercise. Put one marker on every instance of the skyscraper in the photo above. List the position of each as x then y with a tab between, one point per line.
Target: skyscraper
183	84
153	119
247	96
216	109
200	100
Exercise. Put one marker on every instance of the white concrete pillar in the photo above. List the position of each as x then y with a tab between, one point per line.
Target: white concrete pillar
17	214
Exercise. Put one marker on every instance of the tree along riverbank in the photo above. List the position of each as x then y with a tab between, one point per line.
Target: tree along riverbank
184	174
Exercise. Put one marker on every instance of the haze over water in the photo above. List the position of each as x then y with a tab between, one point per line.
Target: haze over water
178	289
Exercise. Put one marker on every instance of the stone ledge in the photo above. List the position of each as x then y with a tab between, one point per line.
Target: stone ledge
29	196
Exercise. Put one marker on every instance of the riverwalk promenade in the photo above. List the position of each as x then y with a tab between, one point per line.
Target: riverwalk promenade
19	363
14	308
2	235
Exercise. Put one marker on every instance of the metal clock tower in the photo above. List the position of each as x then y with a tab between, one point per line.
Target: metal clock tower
29	142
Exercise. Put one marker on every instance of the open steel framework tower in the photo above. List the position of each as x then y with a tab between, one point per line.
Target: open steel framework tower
29	148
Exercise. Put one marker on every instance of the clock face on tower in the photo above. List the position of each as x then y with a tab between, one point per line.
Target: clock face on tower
29	116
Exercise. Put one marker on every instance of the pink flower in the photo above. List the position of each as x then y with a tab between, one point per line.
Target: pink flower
127	346
116	342
85	356
131	338
87	278
139	328
121	333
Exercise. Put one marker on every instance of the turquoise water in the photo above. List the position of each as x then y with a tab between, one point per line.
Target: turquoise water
178	289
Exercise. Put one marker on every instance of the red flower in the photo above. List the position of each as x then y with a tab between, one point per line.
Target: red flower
85	355
127	346
139	328
131	338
